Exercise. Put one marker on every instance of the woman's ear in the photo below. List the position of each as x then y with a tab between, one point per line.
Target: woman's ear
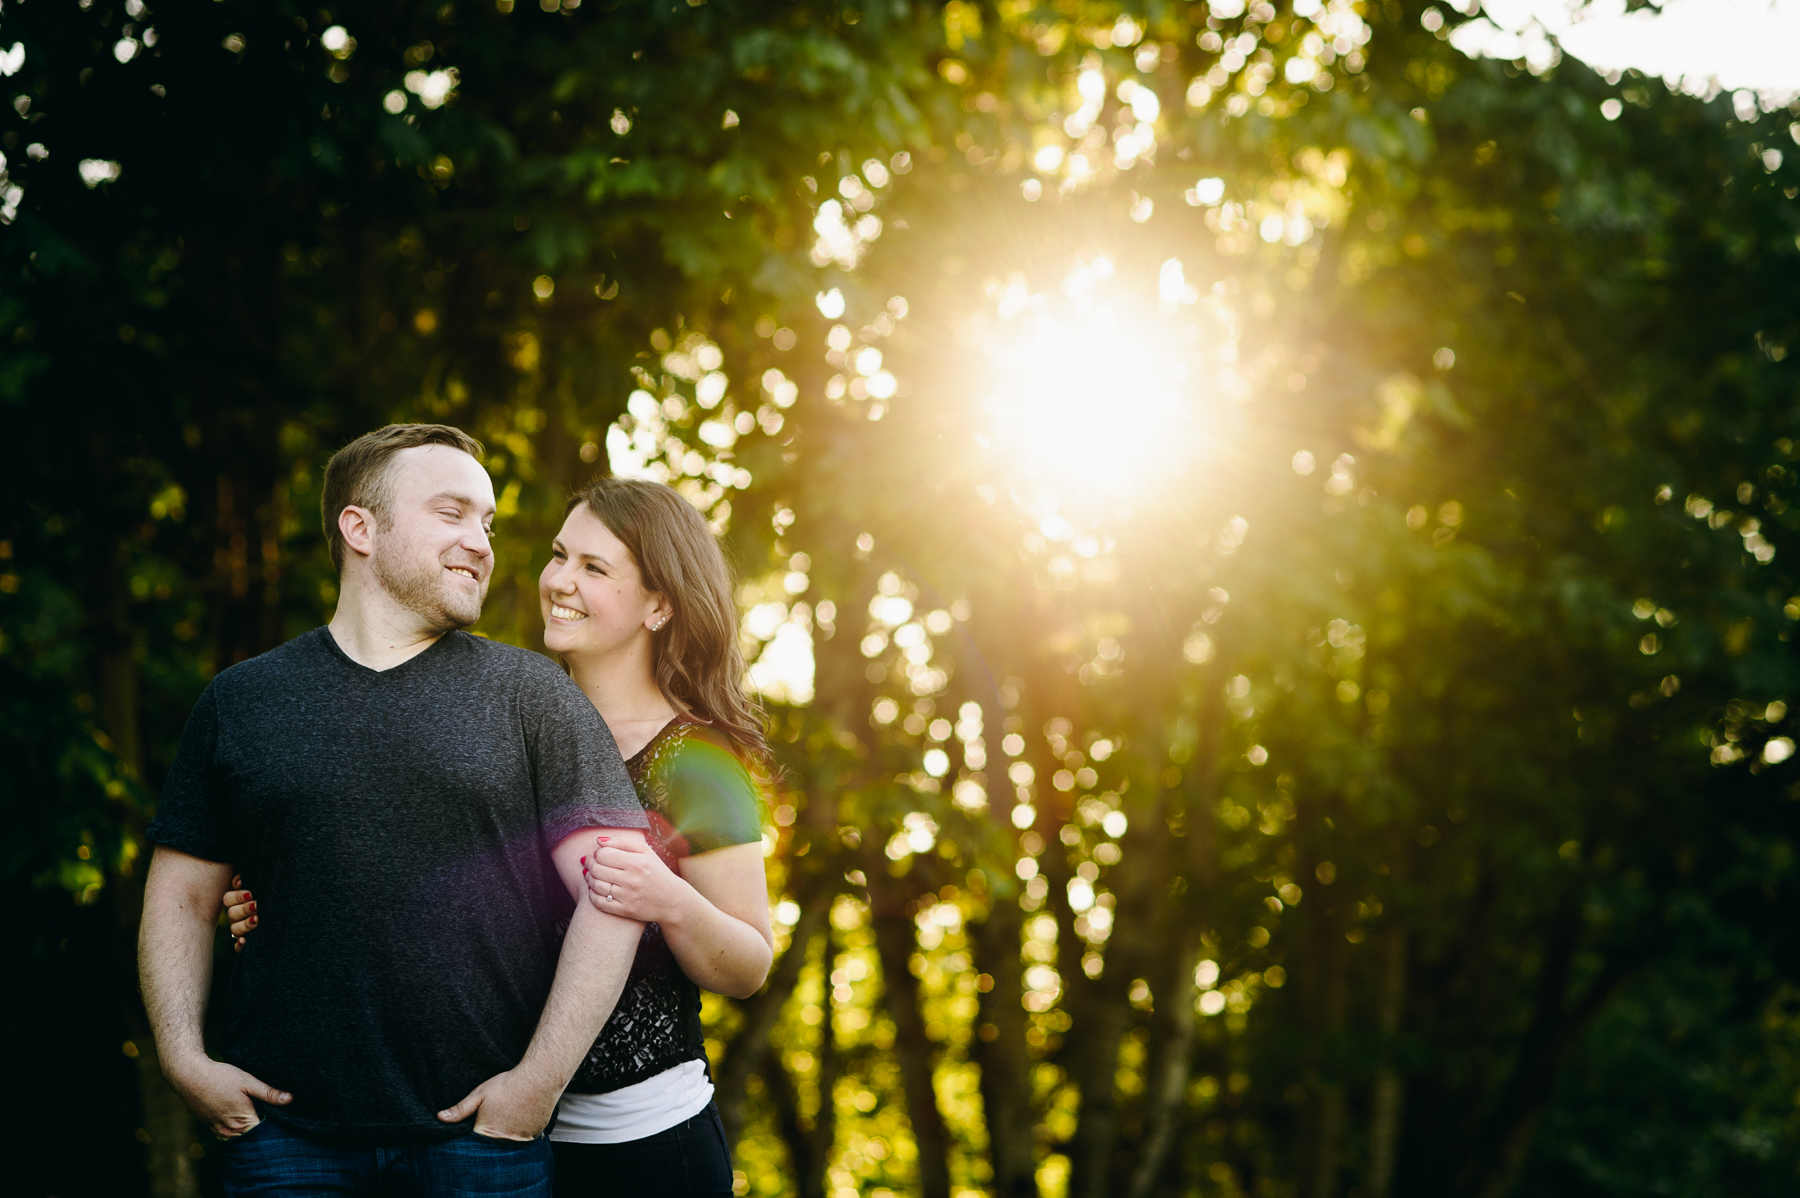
661	612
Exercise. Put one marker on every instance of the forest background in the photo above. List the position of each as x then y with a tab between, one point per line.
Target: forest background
1264	538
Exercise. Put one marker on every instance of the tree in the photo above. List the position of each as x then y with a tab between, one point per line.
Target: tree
1323	730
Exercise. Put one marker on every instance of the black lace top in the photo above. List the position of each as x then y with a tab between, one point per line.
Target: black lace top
699	797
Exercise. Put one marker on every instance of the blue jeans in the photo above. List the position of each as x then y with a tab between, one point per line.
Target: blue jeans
270	1161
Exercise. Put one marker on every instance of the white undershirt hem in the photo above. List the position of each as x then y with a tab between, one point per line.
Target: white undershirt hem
632	1112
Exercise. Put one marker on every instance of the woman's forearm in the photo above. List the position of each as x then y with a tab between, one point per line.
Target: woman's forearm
719	952
714	913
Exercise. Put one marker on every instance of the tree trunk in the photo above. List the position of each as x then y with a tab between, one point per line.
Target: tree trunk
824	1128
1106	1023
1172	1031
1494	1161
270	521
169	1124
1388	1091
1326	1123
894	943
808	1145
749	1046
1329	1139
1324	1116
166	1117
1171	1051
1001	1052
1000	1046
1479	962
1140	891
119	702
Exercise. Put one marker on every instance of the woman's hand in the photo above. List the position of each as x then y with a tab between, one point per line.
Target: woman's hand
628	878
240	909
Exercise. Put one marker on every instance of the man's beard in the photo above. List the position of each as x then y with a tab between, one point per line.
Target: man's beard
422	586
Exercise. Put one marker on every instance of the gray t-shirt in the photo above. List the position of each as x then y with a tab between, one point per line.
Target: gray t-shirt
396	829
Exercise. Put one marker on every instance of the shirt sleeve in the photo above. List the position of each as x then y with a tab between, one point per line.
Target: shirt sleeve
581	779
713	801
190	812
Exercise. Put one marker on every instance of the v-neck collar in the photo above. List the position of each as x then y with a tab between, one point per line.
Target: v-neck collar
392	671
639	759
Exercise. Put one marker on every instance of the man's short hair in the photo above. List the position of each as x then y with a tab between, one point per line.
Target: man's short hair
358	475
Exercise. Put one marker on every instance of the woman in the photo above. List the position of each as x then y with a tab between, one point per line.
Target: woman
637	601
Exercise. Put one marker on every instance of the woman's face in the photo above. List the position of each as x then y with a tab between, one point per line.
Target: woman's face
592	595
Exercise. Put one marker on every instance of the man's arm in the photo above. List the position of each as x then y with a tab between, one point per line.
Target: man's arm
175	956
590	975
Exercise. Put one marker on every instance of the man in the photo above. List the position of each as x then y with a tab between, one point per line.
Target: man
410	804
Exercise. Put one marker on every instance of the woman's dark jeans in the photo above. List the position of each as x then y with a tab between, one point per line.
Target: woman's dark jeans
690	1160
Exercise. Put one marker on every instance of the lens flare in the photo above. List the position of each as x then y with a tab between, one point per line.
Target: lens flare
1098	392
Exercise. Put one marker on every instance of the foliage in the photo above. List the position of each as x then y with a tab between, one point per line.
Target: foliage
1371	772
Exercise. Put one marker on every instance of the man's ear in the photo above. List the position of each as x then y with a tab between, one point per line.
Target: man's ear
357	526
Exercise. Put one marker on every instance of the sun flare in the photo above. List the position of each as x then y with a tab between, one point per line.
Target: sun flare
1095	393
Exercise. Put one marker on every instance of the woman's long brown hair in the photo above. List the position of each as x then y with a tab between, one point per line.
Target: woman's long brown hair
695	656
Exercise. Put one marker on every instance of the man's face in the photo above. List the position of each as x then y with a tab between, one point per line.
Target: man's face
432	554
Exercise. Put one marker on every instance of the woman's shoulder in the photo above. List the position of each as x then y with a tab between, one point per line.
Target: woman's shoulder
694	746
693	732
704	786
667	746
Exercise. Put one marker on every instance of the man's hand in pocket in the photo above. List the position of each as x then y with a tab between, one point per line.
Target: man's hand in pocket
221	1094
507	1106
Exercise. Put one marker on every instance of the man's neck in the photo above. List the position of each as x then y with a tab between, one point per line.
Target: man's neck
376	632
